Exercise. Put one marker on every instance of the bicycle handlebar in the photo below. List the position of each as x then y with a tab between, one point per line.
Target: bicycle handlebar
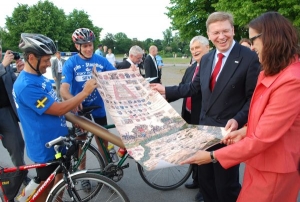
55	141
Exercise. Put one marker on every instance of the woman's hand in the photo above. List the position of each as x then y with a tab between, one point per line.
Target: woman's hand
200	157
234	136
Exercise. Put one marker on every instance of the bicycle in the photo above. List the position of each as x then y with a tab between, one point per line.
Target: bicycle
162	179
68	188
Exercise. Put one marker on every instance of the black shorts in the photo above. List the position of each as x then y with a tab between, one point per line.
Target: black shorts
102	121
45	172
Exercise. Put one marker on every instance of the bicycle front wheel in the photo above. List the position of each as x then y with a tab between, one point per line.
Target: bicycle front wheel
166	178
102	189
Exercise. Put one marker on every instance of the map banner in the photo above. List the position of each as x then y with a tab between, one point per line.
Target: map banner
153	132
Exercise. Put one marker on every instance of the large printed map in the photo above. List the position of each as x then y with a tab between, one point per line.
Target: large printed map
154	134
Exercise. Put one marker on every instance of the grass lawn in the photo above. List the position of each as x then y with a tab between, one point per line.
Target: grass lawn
176	60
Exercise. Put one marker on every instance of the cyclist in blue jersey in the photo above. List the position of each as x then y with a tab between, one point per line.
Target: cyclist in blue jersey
40	113
76	71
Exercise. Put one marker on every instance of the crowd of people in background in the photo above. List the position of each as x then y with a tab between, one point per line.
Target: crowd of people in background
250	87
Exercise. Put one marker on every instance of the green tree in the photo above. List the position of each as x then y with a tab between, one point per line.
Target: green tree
168	37
189	16
15	25
45	18
122	44
179	45
245	11
167	42
42	18
109	40
79	19
138	43
147	43
158	44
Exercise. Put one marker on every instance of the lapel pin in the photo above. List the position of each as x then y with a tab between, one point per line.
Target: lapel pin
236	62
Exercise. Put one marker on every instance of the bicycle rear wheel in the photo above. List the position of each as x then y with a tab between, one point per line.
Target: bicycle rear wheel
102	189
166	178
93	160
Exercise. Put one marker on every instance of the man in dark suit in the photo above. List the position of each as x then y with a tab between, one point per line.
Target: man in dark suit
10	131
135	58
150	66
225	99
56	66
191	106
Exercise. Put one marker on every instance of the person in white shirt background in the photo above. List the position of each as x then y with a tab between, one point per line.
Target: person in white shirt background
111	57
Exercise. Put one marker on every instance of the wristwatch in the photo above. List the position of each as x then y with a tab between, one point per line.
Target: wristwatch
213	157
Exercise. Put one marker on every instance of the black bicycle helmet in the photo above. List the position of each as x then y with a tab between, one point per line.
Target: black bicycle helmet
37	43
83	35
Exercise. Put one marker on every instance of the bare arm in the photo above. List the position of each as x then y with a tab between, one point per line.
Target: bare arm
65	91
61	108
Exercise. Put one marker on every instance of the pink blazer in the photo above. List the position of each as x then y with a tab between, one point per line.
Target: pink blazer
272	142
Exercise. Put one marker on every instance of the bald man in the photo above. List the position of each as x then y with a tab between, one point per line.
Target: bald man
150	66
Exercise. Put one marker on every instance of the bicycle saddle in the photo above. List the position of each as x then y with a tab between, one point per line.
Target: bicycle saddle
87	110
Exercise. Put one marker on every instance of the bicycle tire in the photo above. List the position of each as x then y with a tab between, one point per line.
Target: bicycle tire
103	189
94	160
166	178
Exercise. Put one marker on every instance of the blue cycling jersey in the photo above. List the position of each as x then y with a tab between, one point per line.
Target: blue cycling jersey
33	96
76	71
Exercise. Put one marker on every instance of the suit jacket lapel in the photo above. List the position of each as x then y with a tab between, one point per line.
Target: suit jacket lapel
205	73
228	70
191	72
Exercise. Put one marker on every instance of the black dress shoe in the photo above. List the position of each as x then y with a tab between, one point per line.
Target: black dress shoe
192	185
199	197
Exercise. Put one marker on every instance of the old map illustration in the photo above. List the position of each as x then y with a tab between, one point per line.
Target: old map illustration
153	132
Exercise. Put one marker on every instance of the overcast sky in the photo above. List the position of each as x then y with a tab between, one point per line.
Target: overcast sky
136	18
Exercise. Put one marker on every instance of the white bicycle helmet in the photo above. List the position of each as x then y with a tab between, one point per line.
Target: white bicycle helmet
37	43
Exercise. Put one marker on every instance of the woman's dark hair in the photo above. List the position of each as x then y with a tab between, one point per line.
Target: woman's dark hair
280	41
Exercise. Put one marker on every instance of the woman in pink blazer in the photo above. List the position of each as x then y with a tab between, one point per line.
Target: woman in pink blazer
270	143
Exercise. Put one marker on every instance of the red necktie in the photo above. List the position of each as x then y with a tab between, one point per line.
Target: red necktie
216	71
188	99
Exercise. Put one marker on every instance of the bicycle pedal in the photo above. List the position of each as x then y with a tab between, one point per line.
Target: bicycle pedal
125	166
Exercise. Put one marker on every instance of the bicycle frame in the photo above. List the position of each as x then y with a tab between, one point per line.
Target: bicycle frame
84	148
107	156
59	161
42	188
99	131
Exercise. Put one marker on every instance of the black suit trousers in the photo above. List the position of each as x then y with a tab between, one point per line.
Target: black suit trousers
218	184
